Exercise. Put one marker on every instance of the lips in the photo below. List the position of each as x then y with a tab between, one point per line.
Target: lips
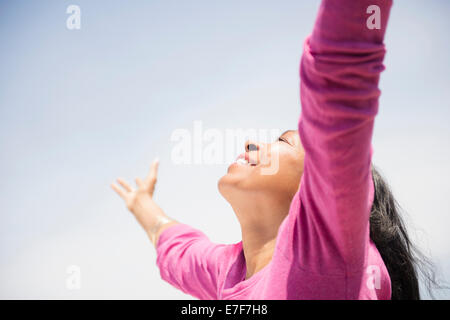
244	159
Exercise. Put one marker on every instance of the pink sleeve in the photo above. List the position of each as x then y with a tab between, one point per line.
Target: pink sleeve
190	262
339	72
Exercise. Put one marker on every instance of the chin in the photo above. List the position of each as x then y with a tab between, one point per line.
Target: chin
229	184
224	185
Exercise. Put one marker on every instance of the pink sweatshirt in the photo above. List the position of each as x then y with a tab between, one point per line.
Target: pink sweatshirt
323	249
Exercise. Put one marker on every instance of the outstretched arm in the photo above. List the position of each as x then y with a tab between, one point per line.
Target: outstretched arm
187	259
339	72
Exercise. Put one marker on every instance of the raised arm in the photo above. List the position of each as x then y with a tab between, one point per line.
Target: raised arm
339	72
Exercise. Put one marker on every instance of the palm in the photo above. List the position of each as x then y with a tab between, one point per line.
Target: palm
144	191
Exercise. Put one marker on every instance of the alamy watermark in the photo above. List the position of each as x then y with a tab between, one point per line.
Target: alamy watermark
73	280
374	279
214	147
374	20
73	22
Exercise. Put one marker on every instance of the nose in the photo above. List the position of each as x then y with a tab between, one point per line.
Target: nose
251	146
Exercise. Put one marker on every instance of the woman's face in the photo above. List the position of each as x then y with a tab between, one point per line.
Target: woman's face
270	169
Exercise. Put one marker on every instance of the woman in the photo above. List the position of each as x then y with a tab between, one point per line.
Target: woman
322	226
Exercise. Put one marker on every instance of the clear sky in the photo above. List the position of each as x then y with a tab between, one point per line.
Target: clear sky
80	107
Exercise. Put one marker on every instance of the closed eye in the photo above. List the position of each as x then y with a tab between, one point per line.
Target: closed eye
283	140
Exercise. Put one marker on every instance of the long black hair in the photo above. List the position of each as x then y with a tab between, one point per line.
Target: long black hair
404	262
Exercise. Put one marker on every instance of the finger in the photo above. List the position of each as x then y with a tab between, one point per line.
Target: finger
118	190
152	175
125	185
140	183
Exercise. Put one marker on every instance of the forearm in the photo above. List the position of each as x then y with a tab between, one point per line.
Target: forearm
152	218
339	72
346	22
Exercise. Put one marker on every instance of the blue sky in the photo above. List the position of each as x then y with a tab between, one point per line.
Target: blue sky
80	107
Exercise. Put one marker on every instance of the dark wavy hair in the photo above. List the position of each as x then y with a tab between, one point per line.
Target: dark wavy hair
404	261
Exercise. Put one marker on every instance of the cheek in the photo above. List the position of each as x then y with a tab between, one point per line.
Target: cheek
281	175
287	178
274	177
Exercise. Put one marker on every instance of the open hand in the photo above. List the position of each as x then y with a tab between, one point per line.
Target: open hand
140	200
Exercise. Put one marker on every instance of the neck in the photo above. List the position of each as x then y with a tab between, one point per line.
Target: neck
258	251
259	222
